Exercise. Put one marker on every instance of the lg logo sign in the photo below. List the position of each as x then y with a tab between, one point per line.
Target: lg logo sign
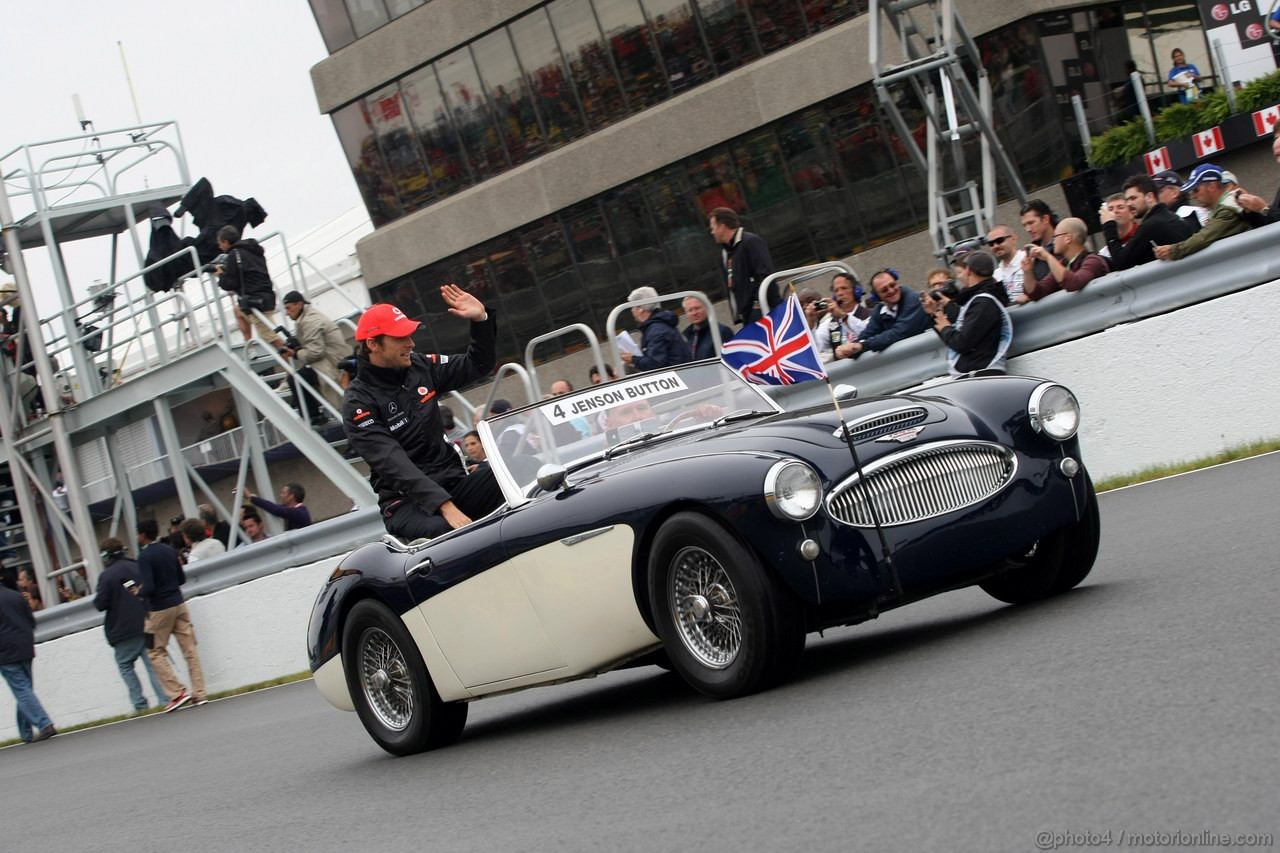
1253	32
1222	11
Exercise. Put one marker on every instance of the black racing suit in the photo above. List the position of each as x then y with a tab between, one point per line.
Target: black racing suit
392	419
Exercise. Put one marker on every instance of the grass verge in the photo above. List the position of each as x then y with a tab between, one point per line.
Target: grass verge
1155	472
222	694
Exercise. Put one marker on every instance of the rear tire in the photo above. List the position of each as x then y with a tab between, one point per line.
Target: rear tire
727	628
390	686
1055	564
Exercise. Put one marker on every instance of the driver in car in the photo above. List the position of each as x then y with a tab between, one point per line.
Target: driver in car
391	415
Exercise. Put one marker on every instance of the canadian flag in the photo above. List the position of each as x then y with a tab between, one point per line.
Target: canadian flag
1264	121
1208	141
1157	161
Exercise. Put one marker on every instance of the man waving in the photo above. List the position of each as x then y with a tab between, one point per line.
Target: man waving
391	414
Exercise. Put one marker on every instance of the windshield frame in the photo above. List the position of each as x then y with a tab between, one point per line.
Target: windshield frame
511	489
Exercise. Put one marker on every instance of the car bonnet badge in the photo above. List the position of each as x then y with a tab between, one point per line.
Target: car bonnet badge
902	436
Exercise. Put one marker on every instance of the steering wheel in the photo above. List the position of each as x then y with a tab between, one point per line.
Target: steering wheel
683	416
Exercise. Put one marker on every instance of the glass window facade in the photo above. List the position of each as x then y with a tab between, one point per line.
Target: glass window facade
552	75
823	183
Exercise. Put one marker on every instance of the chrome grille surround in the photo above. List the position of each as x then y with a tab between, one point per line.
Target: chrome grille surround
884	423
924	481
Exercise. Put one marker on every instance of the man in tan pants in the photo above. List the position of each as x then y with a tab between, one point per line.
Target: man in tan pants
167	615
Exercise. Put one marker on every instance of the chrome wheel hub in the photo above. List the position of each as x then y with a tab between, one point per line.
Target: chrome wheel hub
385	679
705	606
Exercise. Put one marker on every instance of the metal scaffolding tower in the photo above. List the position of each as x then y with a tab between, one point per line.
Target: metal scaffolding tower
143	353
929	75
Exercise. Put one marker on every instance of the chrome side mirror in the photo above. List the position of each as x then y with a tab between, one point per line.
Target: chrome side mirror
846	392
551	477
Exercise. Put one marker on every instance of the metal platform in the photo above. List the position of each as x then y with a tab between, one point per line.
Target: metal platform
101	218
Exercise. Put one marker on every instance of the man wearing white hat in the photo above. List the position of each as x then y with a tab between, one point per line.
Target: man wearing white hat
1206	188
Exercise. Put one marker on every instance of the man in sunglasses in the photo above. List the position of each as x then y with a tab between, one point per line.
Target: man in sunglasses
1004	246
899	316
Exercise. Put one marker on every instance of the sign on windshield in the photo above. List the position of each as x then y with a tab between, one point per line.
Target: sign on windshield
582	425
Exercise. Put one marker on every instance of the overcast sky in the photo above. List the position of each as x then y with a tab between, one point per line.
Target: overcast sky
234	74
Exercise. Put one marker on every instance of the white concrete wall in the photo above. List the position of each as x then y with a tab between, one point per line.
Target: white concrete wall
246	634
1175	387
1170	388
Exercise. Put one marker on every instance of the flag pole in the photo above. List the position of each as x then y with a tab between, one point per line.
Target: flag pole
885	550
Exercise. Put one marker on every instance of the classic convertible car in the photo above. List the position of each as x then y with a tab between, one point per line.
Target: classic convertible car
682	518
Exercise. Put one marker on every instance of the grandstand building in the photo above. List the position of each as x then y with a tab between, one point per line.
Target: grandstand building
552	156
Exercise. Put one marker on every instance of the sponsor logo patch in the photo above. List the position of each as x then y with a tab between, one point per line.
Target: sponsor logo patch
362	415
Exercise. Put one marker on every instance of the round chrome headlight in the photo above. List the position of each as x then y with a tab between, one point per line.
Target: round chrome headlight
1054	411
792	490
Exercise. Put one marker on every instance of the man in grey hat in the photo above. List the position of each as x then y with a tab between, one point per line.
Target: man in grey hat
1169	193
321	347
974	325
1206	188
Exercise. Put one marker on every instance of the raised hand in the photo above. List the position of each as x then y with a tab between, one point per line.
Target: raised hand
463	304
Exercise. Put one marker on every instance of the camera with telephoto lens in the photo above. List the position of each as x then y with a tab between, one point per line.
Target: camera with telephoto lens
948	289
290	341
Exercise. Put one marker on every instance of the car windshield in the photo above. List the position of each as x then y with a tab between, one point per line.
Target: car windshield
607	419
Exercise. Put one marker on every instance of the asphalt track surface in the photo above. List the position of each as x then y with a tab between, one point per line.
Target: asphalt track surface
1143	702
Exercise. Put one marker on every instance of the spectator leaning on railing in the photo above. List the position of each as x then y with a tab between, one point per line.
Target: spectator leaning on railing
1071	264
899	316
1256	210
1206	189
1159	226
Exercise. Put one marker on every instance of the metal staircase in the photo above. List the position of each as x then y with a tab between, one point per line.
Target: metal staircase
928	71
121	356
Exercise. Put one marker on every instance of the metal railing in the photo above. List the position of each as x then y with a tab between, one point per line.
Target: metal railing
1125	296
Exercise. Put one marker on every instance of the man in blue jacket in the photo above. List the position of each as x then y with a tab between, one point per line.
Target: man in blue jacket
119	595
661	344
17	651
698	332
167	614
900	316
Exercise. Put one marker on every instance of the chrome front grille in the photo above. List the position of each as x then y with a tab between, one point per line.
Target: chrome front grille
884	423
924	482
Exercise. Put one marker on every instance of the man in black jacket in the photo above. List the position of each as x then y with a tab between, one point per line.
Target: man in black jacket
167	614
746	264
660	342
1159	225
974	325
899	316
391	414
119	595
698	332
244	273
17	651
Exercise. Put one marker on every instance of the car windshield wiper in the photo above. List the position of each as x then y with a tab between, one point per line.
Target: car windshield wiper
635	439
739	415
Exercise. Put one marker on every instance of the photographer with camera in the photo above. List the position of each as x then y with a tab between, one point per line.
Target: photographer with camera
1071	264
973	322
244	273
845	317
317	346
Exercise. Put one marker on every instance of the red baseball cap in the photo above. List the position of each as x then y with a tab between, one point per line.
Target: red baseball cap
385	319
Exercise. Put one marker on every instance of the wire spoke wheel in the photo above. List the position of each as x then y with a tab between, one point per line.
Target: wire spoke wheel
385	679
705	607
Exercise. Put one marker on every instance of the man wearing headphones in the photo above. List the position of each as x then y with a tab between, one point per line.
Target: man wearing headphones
900	316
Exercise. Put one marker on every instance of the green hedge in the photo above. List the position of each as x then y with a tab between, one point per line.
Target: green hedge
1124	142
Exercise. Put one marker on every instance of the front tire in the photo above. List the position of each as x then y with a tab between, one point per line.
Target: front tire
728	629
1055	564
389	683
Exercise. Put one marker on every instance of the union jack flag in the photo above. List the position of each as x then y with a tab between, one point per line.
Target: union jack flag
776	349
